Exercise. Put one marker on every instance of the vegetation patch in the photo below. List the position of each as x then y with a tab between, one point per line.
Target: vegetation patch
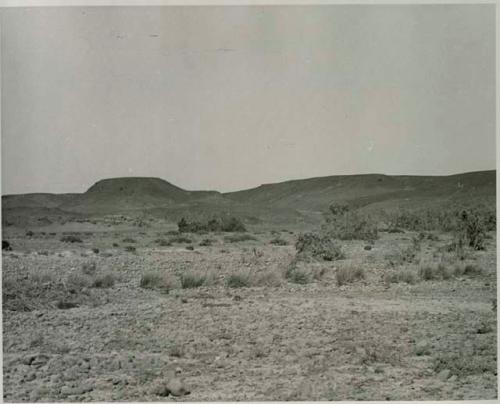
318	246
349	274
71	239
216	224
237	238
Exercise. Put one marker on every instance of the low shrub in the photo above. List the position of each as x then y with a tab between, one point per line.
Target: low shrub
129	240
206	242
345	224
349	274
89	268
238	280
156	280
296	275
163	243
180	240
104	281
71	239
403	276
236	238
130	248
216	224
278	241
318	246
193	280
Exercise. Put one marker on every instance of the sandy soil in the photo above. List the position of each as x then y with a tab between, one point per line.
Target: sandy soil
367	340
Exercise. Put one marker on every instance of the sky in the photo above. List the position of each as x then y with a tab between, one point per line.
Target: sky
227	98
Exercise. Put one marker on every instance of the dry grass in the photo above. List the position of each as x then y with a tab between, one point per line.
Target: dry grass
349	274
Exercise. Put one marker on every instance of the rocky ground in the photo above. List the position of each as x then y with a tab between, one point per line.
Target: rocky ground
68	339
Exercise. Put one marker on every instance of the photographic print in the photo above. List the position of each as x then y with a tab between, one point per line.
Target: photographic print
249	203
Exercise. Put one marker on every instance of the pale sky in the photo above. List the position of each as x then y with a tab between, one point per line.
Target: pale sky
228	98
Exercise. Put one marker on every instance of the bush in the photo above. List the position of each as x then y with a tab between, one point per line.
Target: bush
404	276
6	245
71	239
236	238
317	246
163	243
296	275
29	233
104	281
278	241
89	268
130	248
193	280
206	242
155	280
238	280
129	240
349	274
430	272
95	250
344	224
76	282
180	240
216	224
472	228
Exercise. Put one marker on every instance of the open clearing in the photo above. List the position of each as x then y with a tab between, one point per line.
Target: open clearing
70	338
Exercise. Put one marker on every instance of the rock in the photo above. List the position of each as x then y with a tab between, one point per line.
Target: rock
453	378
176	387
423	348
444	375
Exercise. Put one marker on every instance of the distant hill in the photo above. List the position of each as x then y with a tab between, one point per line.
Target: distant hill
361	190
293	202
133	193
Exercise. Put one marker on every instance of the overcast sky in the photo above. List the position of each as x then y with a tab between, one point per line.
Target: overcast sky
228	98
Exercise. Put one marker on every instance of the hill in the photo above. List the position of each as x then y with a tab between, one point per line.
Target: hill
289	202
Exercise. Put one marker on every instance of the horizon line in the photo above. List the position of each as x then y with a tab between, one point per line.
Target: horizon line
247	189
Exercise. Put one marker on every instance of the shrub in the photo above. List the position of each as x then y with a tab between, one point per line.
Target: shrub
193	280
130	248
155	280
29	233
180	240
238	280
162	242
430	272
104	281
278	241
404	276
349	274
190	247
472	228
206	242
129	240
95	250
215	224
345	224
89	268
76	281
6	245
236	238
318	246
296	275
71	239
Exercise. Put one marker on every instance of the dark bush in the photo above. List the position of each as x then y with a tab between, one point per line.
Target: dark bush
71	239
6	245
318	246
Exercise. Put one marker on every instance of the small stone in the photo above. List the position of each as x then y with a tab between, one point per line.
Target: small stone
453	378
423	348
444	375
176	387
